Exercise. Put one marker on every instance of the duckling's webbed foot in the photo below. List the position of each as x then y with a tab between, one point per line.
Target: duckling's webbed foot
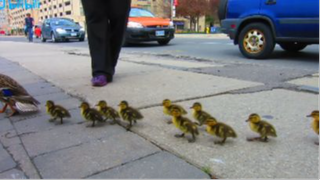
61	120
193	139
264	139
169	122
179	135
129	127
253	139
52	119
220	142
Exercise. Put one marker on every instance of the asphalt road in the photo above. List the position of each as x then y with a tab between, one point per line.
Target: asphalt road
220	50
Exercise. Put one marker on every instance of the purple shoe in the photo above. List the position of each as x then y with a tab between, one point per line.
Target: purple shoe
99	81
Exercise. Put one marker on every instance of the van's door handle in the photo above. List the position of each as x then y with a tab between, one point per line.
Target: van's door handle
271	2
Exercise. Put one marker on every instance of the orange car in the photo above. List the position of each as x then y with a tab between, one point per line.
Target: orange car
144	26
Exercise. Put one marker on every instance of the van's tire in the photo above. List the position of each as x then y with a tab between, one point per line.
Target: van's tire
53	37
43	39
292	46
256	41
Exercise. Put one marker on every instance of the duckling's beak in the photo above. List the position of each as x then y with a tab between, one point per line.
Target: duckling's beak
309	115
80	106
247	120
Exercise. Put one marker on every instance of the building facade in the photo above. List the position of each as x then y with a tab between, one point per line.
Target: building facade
62	8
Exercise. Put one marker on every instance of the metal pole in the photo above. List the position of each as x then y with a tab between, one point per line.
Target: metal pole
171	7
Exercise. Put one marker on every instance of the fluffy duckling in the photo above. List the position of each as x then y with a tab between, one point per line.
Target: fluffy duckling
56	111
107	111
264	128
12	94
184	124
219	129
168	106
90	114
200	115
129	114
315	124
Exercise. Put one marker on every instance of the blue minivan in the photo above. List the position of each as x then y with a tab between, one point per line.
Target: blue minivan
257	25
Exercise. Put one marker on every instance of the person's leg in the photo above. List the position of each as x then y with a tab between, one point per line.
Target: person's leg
30	34
118	13
97	26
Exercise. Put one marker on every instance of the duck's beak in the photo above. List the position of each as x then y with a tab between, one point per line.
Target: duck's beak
80	106
309	115
247	120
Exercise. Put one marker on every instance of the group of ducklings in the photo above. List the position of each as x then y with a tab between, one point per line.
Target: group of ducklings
220	129
101	114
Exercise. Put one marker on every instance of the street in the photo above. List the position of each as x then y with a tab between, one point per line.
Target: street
283	90
219	50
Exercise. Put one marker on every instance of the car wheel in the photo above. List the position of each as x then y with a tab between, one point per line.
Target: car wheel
256	41
292	46
81	39
43	39
163	42
53	37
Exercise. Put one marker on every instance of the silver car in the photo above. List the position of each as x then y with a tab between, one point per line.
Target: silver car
61	29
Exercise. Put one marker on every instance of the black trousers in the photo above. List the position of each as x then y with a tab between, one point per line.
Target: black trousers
106	25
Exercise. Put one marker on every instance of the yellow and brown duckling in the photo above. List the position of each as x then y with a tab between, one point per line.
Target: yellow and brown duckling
129	114
90	114
107	111
184	124
315	123
264	128
56	112
168	106
12	94
220	130
200	115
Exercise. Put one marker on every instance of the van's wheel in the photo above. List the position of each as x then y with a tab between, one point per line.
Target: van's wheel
163	42
256	41
43	39
292	46
53	37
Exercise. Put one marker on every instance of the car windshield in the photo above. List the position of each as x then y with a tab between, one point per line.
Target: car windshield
136	12
63	22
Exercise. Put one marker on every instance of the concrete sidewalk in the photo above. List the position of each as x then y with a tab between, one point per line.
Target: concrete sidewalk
34	148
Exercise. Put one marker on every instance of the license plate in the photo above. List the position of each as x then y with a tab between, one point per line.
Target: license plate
73	34
160	33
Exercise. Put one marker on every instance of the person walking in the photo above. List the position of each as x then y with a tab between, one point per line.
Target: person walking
29	22
106	24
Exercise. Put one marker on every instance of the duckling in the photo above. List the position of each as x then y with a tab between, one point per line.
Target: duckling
315	124
129	114
12	94
184	124
167	107
56	111
264	128
219	129
200	115
90	114
107	111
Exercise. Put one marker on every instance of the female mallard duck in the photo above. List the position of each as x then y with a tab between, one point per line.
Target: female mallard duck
315	124
168	106
107	111
184	124
200	115
219	129
56	111
90	114
12	94
129	114
264	128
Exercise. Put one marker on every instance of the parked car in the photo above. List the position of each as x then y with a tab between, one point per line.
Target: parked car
257	25
144	26
61	29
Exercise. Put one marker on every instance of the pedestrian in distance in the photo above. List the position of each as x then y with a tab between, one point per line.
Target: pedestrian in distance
29	22
106	24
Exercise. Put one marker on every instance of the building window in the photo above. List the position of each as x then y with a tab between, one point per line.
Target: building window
55	7
55	15
45	9
68	12
60	5
46	17
67	3
61	14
